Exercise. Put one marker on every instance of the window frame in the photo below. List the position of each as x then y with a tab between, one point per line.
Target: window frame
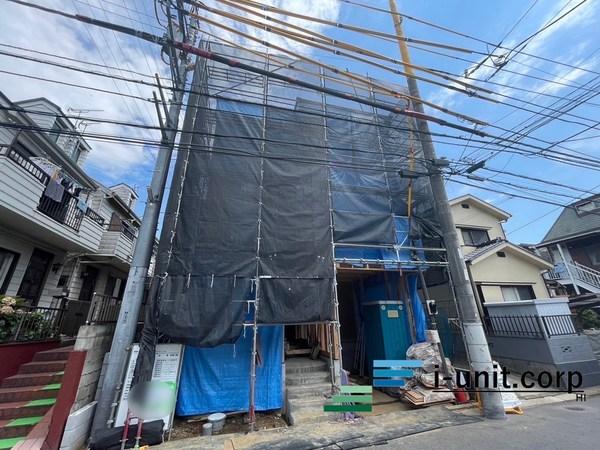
517	288
466	231
11	269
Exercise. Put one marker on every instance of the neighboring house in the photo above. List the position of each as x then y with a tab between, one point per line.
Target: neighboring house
573	246
499	270
62	234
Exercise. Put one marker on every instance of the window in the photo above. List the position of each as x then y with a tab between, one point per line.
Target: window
474	236
8	262
516	293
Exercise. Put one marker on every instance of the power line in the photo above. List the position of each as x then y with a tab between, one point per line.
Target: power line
465	35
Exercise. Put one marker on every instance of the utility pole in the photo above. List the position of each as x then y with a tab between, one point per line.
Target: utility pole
475	340
138	272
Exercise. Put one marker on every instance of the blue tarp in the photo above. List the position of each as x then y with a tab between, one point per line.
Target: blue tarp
417	307
217	379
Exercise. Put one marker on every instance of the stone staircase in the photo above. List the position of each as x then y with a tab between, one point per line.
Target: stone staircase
307	387
28	395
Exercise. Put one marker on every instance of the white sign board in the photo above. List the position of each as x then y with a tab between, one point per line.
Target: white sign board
167	365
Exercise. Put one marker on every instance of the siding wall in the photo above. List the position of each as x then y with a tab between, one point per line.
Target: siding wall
513	269
24	247
477	218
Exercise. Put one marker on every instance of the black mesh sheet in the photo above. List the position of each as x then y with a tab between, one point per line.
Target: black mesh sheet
295	246
270	169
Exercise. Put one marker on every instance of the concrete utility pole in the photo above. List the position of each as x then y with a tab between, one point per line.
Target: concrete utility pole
475	340
138	272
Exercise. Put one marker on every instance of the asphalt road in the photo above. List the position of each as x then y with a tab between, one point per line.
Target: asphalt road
567	425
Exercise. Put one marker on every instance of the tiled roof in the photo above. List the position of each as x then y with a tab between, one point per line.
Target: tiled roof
484	249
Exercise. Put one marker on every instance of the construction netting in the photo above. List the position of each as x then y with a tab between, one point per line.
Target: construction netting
273	184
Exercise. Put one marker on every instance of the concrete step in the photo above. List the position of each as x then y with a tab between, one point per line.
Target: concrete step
27	393
32	379
304	365
302	378
14	410
57	354
17	427
303	412
308	390
42	367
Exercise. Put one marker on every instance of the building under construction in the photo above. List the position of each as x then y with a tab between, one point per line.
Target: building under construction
297	222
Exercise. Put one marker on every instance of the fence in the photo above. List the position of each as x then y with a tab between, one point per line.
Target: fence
33	323
530	326
103	309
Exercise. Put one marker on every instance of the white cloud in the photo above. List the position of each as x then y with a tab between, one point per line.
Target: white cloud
34	29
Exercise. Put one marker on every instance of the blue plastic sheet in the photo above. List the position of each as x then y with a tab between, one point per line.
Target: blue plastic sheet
417	307
217	379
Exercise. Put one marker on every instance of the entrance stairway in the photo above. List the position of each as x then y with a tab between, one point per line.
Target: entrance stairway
28	395
308	383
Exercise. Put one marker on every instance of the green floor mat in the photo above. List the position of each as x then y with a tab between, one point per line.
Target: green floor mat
50	387
42	402
10	442
24	421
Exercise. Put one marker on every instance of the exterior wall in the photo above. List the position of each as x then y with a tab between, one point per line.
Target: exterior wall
95	340
477	218
24	247
42	120
494	271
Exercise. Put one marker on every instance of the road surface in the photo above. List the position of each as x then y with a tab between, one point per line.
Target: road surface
567	425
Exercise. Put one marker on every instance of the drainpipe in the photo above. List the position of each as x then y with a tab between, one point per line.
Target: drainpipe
562	256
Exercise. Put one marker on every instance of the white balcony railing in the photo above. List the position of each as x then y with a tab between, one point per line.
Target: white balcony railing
579	272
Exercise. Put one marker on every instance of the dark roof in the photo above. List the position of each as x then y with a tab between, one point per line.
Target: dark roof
570	224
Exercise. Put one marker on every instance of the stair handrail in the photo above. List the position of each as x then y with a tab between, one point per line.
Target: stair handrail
586	274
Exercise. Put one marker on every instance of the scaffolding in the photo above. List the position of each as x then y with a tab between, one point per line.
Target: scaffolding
276	188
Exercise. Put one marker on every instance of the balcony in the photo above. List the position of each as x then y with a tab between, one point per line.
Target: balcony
118	242
24	207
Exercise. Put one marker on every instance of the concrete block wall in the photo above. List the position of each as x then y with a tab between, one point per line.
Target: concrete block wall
95	340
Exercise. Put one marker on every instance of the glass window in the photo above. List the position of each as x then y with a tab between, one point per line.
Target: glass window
474	236
8	261
516	293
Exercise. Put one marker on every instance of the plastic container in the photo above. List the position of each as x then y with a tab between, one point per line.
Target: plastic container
217	420
207	429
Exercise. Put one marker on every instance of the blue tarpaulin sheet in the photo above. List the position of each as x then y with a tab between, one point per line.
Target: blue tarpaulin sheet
217	379
417	307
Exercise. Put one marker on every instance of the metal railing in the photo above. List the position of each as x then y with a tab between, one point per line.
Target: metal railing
580	272
585	274
33	323
93	215
66	211
128	231
530	326
103	309
24	163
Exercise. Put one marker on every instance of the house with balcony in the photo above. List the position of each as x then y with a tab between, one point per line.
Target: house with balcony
572	245
66	241
500	271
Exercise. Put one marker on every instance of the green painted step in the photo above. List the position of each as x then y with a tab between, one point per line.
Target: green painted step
24	421
42	402
51	387
10	442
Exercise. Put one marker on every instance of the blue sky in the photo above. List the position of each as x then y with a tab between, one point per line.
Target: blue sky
574	40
